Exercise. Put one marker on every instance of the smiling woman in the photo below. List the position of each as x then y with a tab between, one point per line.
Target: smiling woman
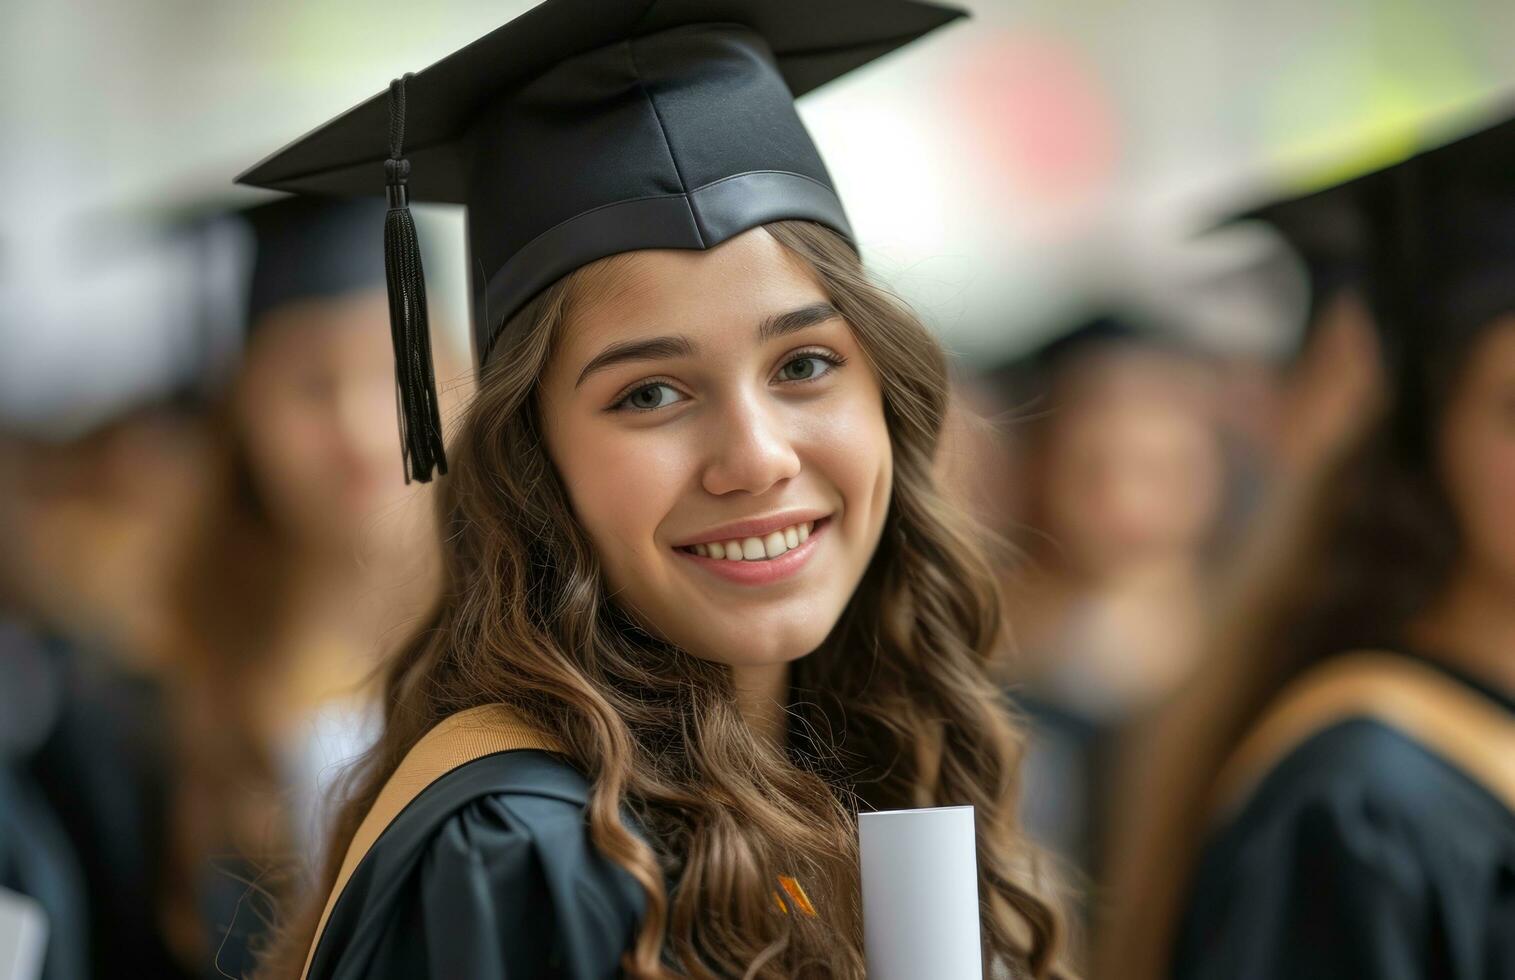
702	598
765	415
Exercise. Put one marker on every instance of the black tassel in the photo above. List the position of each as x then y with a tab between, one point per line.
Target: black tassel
421	448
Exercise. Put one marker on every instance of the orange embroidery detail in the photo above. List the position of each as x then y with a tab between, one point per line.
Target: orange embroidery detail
796	895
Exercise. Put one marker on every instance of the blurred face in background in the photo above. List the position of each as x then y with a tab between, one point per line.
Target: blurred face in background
90	527
1131	463
314	406
1477	449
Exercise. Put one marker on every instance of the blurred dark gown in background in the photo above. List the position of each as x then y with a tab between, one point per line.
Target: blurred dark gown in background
82	795
36	857
1382	845
1363	854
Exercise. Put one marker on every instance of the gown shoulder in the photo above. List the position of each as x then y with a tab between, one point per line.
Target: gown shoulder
489	873
1362	854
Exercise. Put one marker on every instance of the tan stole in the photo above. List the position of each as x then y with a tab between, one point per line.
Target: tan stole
1444	716
456	741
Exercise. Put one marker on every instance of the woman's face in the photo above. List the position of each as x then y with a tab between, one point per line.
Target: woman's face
721	436
1478	452
1132	463
315	407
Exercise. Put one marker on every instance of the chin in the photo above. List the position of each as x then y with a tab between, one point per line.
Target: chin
739	649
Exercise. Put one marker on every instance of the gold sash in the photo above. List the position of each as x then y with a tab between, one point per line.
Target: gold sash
1444	716
456	741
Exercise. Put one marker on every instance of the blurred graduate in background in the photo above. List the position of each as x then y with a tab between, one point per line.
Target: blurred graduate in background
1121	472
204	572
309	553
1337	797
94	492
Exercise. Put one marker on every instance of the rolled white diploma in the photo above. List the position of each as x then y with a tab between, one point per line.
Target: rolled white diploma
920	894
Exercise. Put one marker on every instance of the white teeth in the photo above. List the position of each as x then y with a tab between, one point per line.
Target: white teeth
770	545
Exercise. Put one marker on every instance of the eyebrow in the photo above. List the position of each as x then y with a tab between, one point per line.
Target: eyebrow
665	348
786	323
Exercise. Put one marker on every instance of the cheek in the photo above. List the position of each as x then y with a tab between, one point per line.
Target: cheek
292	453
1480	467
622	484
849	448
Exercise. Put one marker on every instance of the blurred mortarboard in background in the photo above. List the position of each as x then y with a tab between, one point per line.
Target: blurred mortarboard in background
1429	241
583	129
1327	231
1100	332
311	248
170	295
1029	378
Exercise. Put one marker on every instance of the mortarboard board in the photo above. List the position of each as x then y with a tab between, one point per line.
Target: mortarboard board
1327	231
585	128
1030	376
1429	241
309	248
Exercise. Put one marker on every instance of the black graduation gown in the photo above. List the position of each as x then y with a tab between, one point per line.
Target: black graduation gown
487	874
104	771
36	859
1361	855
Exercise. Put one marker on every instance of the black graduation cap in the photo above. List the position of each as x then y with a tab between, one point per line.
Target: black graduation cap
1328	230
1429	241
1099	332
1030	377
311	248
584	128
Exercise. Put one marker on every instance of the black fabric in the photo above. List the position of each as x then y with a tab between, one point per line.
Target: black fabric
488	874
1429	240
310	248
37	859
574	120
1361	855
104	771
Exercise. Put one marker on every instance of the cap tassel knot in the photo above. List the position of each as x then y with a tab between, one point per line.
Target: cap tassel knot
421	448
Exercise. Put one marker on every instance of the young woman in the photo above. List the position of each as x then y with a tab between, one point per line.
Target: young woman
702	600
308	558
1340	799
1123	480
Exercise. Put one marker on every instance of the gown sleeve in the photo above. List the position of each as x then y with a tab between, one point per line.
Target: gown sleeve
507	886
1324	875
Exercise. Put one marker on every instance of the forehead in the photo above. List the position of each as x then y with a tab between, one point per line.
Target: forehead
692	292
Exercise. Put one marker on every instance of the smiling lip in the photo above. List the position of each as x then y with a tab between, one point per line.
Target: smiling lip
756	527
762	572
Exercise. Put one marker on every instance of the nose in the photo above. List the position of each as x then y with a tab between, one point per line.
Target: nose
749	449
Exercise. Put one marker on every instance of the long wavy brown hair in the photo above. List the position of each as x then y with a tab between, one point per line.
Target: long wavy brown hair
1350	560
893	710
